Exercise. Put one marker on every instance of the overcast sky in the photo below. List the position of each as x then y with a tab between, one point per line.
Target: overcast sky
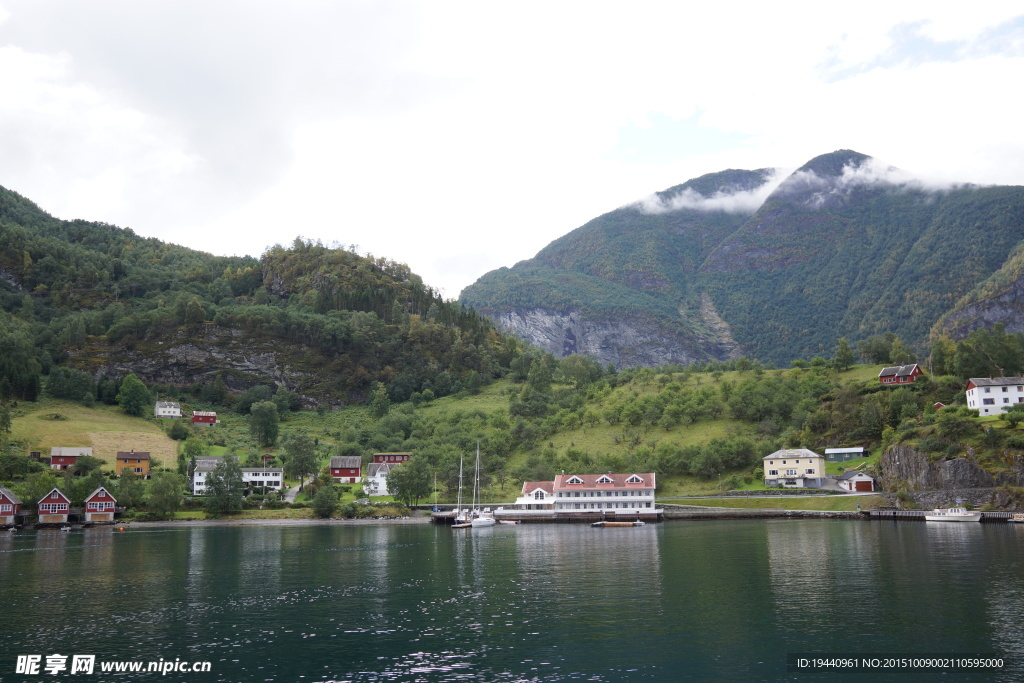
459	137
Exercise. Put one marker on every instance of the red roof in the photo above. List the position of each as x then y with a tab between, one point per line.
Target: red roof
531	486
604	481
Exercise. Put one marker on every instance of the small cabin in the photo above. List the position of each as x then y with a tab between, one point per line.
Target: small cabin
345	469
843	454
54	507
204	417
99	506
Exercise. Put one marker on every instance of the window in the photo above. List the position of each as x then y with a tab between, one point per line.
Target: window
988	401
6	507
988	390
773	473
574	480
790	473
1006	400
634	480
538	495
810	471
605	479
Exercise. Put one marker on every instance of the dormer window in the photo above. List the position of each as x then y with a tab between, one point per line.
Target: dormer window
634	479
538	495
605	479
574	480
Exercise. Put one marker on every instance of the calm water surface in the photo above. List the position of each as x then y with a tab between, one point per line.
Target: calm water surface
675	601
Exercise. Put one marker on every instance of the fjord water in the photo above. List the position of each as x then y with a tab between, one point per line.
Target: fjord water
668	602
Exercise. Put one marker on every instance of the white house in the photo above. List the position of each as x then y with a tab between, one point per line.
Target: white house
794	468
852	480
610	493
269	477
376	481
993	396
167	409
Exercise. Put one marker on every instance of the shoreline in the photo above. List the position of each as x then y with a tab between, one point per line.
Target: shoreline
305	521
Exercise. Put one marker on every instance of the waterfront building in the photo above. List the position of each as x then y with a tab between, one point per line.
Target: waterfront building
99	506
10	507
54	507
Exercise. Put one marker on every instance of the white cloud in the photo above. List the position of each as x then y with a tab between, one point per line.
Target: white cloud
727	201
462	135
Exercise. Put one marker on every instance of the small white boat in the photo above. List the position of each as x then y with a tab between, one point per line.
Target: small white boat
953	515
1018	517
516	521
606	523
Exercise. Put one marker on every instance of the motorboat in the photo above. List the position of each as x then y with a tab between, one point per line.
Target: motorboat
957	514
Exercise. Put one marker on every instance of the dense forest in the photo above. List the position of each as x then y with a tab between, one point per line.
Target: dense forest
103	300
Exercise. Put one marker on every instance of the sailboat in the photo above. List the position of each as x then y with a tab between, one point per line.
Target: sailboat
461	516
479	517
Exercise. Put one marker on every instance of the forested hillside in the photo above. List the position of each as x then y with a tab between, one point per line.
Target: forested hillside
325	323
841	248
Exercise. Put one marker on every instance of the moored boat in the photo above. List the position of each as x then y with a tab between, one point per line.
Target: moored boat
602	524
953	515
1018	517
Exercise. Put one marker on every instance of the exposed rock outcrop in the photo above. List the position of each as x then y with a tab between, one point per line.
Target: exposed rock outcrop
902	467
1006	308
626	341
241	359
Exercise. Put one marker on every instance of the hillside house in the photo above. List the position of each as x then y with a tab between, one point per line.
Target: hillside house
65	457
629	494
391	458
794	468
994	396
134	462
852	480
204	417
10	507
99	506
900	374
168	409
54	507
346	469
843	454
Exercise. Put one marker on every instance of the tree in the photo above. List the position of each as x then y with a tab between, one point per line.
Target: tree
134	396
380	404
844	355
325	502
302	457
410	481
5	419
263	423
164	496
194	447
129	489
224	487
1014	415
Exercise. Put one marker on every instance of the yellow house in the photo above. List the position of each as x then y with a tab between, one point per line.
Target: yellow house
794	468
134	462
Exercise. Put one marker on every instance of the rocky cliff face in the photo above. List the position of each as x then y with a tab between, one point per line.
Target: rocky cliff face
241	359
902	467
626	341
1006	308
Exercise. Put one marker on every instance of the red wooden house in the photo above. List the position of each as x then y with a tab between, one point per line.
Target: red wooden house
10	507
391	458
204	417
99	506
900	374
54	507
345	469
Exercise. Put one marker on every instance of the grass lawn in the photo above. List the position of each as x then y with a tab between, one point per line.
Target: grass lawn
106	429
796	503
286	513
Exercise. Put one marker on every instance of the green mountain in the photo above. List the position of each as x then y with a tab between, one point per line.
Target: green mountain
719	266
326	324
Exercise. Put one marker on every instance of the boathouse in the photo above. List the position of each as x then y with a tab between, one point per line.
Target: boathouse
99	506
